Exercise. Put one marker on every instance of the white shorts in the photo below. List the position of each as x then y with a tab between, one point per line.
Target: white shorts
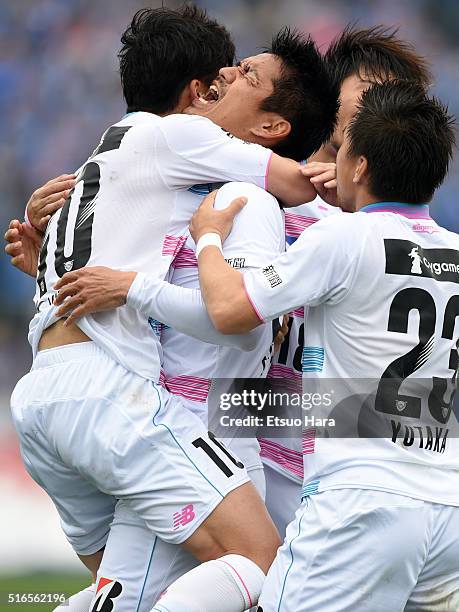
91	432
283	497
354	550
152	563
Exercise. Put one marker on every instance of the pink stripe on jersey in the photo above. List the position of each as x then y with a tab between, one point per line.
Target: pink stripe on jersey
403	212
190	387
291	379
295	224
308	441
185	258
298	313
286	458
277	370
173	244
268	165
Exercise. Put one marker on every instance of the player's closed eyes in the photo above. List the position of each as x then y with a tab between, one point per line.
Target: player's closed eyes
247	71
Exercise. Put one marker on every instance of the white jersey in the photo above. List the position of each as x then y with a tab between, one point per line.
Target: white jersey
124	212
383	297
285	454
189	364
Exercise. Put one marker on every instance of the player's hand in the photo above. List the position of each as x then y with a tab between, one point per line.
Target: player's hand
283	331
91	290
206	219
24	243
47	199
323	176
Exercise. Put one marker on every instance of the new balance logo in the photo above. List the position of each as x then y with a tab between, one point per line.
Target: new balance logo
185	516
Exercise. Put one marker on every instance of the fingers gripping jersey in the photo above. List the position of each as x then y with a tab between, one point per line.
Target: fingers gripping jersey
285	455
382	292
190	365
122	210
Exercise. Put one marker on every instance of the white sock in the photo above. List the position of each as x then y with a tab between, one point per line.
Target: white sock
231	583
79	602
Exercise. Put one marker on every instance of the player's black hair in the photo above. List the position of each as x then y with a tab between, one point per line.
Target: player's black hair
164	49
304	95
407	139
377	54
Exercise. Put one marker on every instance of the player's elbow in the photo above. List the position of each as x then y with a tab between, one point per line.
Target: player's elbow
223	320
229	320
302	195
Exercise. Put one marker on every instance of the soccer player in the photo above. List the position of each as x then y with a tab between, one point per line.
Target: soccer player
356	59
188	473
377	527
197	364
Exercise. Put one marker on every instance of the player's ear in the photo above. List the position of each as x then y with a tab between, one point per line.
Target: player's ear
190	92
197	88
272	128
361	170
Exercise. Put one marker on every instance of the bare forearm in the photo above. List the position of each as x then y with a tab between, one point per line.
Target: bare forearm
288	184
223	292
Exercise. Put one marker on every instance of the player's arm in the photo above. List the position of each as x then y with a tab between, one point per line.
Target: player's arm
296	184
96	289
192	149
319	267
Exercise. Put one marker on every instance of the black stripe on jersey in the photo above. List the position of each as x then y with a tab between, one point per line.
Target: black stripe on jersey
111	139
408	258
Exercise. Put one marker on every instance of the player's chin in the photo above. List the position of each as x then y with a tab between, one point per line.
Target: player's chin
201	106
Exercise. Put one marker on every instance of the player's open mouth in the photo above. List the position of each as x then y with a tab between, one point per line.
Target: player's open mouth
213	95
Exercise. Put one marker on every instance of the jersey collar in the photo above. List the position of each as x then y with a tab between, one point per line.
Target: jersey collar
412	211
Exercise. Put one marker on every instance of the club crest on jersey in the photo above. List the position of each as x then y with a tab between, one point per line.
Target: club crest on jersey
107	591
400	405
68	265
408	258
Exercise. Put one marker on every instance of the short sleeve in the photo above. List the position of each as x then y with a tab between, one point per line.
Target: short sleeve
193	149
319	267
258	233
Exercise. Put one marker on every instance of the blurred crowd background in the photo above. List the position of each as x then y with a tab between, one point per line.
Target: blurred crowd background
59	89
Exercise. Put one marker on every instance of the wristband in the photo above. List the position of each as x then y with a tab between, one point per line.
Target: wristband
26	218
209	239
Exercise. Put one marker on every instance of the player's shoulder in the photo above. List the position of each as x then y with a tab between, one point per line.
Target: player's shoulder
259	202
181	122
450	237
139	119
343	223
346	233
317	209
137	125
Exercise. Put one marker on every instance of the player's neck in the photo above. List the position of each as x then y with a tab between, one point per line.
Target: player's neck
364	199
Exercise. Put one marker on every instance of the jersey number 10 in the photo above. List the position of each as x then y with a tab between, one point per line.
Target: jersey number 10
82	232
